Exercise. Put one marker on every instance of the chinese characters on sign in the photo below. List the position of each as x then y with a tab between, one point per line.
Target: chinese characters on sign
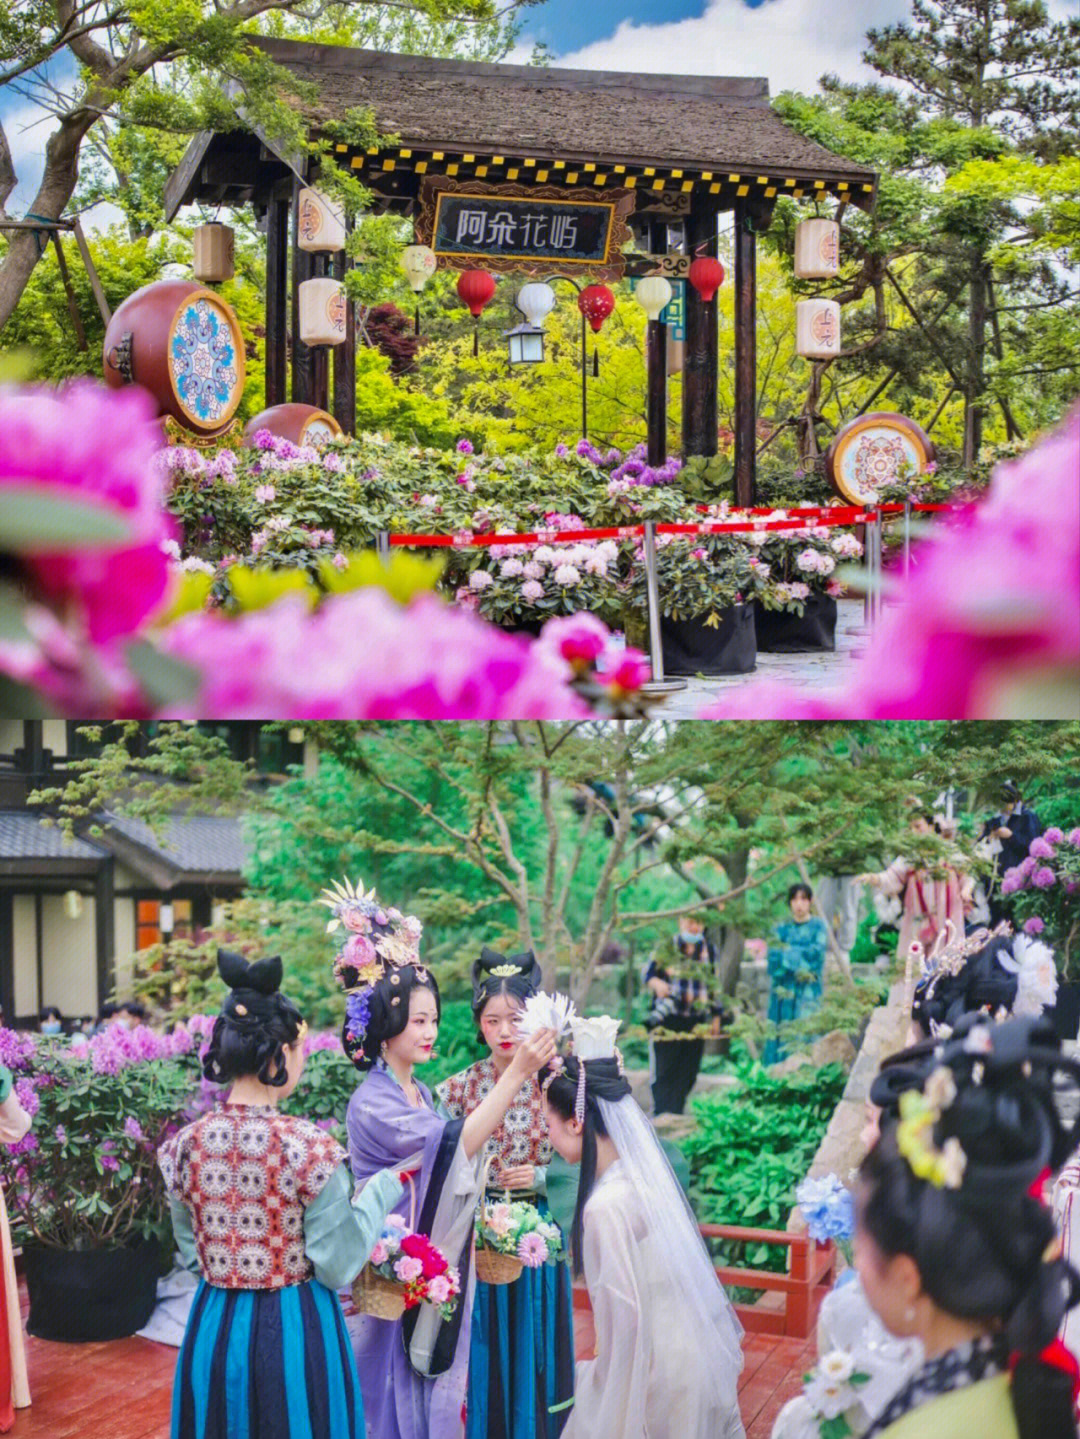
506	227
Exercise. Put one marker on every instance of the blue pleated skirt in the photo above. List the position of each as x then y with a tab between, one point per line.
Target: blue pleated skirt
266	1364
521	1357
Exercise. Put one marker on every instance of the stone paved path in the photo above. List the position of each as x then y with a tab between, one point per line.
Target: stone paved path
816	672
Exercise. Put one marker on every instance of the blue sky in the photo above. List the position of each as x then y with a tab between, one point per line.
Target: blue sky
568	25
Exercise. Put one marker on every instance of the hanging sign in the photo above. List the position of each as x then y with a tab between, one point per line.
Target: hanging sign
534	230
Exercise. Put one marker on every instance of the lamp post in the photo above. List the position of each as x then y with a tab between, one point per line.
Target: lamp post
523	351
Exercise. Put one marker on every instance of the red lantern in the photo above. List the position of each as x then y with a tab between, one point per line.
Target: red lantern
476	289
596	303
706	275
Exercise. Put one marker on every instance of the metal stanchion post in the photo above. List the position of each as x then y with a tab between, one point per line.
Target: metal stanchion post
382	546
907	536
876	573
658	684
868	561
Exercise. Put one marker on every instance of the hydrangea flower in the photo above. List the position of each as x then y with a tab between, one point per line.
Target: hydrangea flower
1041	849
828	1208
481	579
567	575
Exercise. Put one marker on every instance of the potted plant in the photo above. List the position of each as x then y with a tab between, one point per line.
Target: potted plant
86	1197
1045	894
705	586
798	610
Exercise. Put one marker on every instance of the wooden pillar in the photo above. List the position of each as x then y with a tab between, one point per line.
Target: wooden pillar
745	357
699	356
656	349
345	357
277	296
303	374
104	928
320	354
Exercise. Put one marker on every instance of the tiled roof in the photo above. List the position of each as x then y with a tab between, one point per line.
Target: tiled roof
23	836
190	845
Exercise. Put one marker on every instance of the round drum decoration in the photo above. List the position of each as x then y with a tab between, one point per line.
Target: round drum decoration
181	342
302	424
875	451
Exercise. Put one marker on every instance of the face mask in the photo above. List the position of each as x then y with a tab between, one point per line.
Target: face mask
51	1026
690	939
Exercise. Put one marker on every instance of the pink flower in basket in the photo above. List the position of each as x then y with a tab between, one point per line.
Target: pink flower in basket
408	1269
532	1250
439	1290
380	1253
498	1218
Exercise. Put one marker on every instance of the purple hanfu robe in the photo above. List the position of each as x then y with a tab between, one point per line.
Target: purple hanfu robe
413	1371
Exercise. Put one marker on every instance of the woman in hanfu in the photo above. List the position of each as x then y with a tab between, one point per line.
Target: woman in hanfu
956	1246
796	963
413	1370
929	899
668	1344
14	1388
521	1356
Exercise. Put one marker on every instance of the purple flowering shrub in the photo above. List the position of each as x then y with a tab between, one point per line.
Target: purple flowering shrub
1045	893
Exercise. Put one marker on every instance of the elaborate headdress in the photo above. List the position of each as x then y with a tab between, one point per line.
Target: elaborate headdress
590	1039
378	939
988	970
491	966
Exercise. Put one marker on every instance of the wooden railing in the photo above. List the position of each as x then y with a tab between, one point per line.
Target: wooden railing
810	1275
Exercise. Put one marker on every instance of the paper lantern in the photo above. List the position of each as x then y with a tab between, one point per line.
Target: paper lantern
476	289
706	274
536	302
212	253
183	343
419	263
652	295
320	222
817	329
323	310
302	424
596	303
817	249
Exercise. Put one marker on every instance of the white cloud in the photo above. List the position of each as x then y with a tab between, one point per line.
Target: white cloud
791	42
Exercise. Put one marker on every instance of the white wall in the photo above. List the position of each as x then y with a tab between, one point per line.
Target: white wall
25	945
69	957
124	932
11	736
54	737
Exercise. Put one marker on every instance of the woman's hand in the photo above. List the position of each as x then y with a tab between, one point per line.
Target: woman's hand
536	1051
517	1176
659	987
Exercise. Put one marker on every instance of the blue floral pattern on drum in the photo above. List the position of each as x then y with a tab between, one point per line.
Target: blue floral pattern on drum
203	362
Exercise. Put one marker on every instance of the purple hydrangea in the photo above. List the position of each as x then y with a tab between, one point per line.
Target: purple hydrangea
1041	849
1043	877
132	1128
1074	837
464	447
27	1095
1034	925
358	1014
1053	835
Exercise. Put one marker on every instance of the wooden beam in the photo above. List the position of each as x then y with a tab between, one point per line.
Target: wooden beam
699	356
277	299
320	354
345	357
303	378
745	357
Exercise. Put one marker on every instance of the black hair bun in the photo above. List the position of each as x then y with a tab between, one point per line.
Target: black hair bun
493	965
264	976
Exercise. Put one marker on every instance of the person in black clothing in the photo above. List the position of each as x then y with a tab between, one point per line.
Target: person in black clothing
1014	829
682	983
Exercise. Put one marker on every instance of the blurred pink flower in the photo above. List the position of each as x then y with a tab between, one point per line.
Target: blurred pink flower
1034	925
1043	878
632	671
979	630
580	639
1040	849
1053	835
421	661
66	440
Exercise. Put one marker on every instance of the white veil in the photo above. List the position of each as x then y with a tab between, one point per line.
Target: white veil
686	1261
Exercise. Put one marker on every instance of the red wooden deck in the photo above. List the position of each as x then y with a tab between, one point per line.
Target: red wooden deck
122	1390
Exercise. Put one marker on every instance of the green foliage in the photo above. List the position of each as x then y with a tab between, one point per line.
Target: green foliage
750	1149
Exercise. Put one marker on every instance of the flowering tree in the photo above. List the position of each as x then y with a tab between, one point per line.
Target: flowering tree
1046	891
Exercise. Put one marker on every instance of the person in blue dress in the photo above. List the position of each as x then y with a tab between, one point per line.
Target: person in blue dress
521	1350
796	964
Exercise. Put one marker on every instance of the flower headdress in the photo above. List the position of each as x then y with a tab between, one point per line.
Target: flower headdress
920	1111
946	957
378	938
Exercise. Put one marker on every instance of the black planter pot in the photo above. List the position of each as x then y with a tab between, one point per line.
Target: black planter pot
1066	1012
784	632
77	1296
691	647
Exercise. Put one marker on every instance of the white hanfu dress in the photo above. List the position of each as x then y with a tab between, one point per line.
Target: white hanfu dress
656	1375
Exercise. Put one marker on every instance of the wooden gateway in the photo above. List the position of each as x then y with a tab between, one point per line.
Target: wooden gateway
535	171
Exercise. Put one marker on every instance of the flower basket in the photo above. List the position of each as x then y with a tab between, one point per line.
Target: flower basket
379	1297
495	1268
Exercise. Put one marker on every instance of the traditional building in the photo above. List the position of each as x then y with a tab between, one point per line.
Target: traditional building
73	912
674	150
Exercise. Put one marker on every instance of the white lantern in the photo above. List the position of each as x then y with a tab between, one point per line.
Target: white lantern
418	262
817	249
320	222
212	253
536	302
653	294
323	308
525	345
817	329
73	904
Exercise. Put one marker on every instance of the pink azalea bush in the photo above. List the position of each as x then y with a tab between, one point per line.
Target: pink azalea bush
986	627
